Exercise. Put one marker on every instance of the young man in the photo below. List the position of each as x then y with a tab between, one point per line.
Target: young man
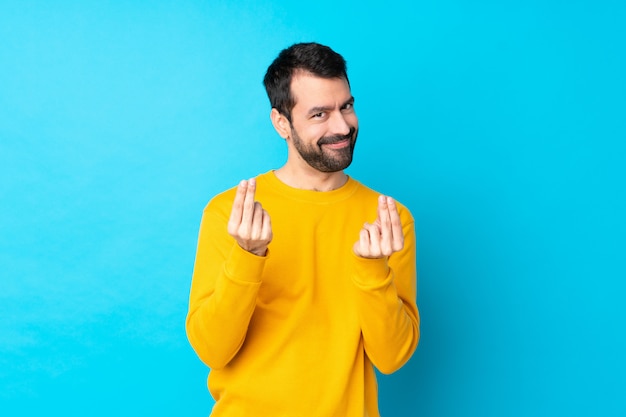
293	302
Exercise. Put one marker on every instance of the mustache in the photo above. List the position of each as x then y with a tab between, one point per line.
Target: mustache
326	140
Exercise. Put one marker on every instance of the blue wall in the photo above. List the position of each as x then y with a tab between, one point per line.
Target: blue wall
502	126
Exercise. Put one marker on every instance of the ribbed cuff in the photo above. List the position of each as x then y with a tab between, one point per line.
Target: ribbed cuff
371	273
244	266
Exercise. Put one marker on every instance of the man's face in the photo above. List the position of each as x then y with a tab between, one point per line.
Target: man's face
324	125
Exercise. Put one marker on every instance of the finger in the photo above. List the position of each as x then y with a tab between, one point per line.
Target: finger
385	226
374	239
248	204
396	226
257	222
266	229
237	210
361	246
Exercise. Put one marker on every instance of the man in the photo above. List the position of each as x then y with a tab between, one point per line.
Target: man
295	297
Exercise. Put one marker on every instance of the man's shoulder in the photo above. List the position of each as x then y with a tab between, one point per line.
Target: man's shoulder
364	189
371	195
222	197
223	201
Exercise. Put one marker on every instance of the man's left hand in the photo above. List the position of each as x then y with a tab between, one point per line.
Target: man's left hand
384	236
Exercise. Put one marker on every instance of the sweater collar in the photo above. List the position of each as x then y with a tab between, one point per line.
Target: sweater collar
270	180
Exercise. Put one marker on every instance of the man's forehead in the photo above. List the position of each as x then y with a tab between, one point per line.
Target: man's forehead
309	87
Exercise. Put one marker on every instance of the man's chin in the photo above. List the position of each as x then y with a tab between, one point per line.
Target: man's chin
338	165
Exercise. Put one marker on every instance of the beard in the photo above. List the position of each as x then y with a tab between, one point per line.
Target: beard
326	160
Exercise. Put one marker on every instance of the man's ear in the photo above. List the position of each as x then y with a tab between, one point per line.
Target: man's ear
281	124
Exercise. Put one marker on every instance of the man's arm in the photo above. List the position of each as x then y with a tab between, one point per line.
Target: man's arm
385	275
227	277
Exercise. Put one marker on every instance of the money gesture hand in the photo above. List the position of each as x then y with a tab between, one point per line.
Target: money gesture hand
384	236
249	223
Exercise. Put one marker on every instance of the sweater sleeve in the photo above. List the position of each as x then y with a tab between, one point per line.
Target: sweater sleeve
224	287
387	304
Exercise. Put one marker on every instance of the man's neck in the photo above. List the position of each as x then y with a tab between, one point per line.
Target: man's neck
312	179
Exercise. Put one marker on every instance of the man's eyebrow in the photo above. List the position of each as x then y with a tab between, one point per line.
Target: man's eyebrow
319	109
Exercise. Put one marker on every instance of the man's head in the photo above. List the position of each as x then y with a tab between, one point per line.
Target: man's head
312	106
312	58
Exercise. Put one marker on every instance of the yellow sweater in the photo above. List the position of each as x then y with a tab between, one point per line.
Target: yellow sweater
295	333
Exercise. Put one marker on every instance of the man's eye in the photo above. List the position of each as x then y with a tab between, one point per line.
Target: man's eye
348	106
318	115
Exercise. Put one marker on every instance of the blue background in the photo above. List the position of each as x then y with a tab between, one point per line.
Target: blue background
500	124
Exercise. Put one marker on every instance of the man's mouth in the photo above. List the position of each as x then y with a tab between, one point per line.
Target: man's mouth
337	142
338	145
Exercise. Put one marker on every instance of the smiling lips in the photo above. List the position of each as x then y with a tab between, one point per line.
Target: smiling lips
338	145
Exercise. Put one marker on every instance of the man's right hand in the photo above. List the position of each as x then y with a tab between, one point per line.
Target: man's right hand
249	223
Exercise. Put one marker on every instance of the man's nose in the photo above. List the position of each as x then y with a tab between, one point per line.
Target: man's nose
339	125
